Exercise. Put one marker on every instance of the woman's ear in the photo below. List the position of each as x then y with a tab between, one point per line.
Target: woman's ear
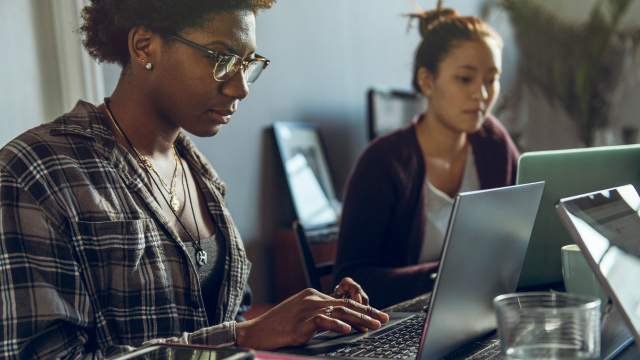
425	81
143	47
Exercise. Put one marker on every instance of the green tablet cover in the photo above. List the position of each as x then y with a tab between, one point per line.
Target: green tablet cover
568	173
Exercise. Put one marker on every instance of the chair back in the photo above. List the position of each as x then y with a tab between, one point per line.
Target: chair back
312	271
389	110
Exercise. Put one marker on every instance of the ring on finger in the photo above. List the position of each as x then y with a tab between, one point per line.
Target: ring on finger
328	311
336	292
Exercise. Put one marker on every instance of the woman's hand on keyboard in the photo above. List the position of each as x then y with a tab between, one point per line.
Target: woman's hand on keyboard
296	320
349	289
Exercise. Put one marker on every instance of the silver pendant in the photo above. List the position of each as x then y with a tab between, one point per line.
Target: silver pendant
175	203
201	256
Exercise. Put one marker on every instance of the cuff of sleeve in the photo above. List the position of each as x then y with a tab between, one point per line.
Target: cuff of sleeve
219	335
235	338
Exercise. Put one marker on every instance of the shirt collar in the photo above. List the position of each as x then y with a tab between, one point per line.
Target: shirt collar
88	121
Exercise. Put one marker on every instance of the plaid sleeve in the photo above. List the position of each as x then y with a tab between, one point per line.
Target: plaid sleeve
46	311
220	335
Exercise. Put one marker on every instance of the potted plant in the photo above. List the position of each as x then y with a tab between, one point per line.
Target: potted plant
576	66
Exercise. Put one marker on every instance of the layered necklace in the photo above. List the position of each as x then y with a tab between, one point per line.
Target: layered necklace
174	202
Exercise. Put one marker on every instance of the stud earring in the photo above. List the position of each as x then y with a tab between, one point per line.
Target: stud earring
148	66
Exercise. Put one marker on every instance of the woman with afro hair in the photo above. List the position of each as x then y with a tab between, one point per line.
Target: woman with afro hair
114	230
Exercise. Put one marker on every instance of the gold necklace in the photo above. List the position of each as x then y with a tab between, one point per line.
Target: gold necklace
174	200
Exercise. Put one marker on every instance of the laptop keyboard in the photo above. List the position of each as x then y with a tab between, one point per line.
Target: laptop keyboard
400	342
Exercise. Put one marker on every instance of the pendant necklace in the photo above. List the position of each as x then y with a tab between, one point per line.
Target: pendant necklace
201	255
173	199
174	205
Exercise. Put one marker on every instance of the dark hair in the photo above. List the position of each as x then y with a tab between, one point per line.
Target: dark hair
107	23
441	29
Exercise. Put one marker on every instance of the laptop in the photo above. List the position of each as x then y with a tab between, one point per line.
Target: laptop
482	255
606	226
567	173
310	184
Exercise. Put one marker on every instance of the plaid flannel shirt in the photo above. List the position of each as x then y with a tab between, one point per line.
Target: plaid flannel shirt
89	266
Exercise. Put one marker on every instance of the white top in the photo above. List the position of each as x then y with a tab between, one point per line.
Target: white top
439	207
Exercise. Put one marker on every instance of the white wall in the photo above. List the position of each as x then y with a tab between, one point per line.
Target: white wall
325	55
43	68
28	74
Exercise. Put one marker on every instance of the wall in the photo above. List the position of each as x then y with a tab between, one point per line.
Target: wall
325	55
44	69
28	76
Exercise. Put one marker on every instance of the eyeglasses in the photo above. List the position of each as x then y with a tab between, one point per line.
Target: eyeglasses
227	64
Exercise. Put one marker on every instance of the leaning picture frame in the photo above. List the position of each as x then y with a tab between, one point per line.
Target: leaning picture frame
307	172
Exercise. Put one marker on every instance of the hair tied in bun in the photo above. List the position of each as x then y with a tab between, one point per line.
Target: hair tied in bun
431	18
421	12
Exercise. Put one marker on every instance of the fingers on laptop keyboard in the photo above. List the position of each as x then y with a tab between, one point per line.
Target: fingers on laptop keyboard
355	318
320	323
350	289
366	310
370	312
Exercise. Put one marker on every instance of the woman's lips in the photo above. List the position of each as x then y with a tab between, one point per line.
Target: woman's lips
474	112
221	117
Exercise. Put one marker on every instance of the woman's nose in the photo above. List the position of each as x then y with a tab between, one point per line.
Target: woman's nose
481	93
236	86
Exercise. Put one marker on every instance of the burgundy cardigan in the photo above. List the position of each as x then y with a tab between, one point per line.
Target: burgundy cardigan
384	215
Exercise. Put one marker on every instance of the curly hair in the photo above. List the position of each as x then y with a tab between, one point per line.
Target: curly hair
441	29
106	23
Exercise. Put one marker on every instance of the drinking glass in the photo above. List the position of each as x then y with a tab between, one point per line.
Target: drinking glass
548	325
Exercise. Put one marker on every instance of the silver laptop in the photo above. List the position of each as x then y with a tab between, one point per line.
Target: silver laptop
483	252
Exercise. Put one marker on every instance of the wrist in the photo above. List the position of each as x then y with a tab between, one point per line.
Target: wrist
251	334
241	334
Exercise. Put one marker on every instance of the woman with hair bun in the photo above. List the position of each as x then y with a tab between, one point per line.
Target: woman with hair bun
400	193
114	230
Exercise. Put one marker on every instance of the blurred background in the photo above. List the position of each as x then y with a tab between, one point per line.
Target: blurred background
571	78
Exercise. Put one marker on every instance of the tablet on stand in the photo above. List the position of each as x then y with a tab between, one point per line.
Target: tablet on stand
606	227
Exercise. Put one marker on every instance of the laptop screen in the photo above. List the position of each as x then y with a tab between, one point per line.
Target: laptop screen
608	227
567	173
307	173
